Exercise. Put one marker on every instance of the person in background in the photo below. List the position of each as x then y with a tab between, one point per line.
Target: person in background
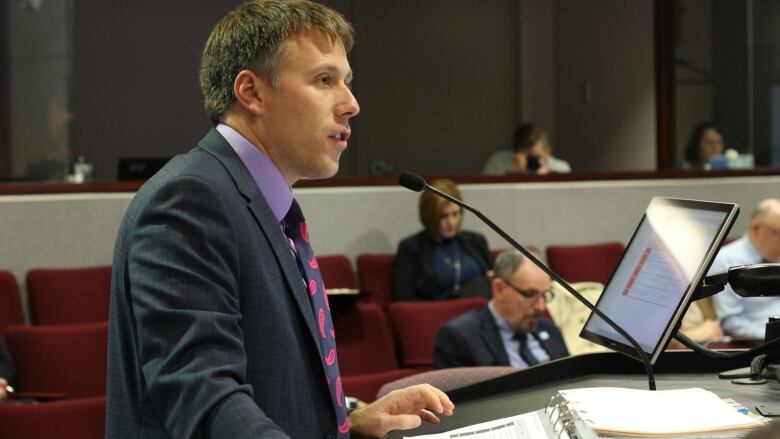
511	330
705	142
7	371
747	316
532	155
219	326
442	261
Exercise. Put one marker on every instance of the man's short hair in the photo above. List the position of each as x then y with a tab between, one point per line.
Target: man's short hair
250	38
526	136
763	209
508	261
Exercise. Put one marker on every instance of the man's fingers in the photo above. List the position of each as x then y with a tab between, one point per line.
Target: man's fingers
436	400
401	422
429	417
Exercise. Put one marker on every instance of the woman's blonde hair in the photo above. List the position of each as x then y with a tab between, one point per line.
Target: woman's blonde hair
432	205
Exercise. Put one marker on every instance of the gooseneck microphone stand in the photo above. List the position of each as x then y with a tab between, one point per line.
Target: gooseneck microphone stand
416	183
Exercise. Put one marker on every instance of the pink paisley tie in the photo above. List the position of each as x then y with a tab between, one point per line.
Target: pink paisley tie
295	229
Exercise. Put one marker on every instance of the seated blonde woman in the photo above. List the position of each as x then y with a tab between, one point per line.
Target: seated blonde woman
442	261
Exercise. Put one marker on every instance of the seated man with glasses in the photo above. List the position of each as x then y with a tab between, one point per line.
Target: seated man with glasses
512	329
740	316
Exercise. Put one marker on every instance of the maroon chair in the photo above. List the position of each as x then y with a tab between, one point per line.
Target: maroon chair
367	358
69	419
69	295
449	379
65	359
375	271
416	324
336	271
11	312
585	263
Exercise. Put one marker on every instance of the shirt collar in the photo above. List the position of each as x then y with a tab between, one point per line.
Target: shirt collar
751	249
503	326
269	180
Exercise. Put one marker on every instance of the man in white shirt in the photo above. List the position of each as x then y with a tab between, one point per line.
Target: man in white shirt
747	317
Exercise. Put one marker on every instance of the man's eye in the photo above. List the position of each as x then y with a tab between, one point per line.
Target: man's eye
324	80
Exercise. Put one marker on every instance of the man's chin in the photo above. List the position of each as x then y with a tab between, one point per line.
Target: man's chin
530	325
326	171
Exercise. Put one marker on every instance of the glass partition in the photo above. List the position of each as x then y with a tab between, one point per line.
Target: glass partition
442	84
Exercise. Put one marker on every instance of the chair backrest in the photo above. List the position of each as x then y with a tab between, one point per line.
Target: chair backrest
585	263
336	271
365	343
69	295
68	359
448	379
11	312
416	324
69	419
375	271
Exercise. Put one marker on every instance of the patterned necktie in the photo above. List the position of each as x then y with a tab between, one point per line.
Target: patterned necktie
526	353
295	229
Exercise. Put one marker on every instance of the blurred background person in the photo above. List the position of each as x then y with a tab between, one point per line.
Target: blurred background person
7	372
705	146
532	155
747	316
442	261
512	329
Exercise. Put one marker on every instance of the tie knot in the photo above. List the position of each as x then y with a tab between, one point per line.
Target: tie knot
294	215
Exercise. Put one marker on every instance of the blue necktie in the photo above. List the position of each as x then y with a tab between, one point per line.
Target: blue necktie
295	229
525	352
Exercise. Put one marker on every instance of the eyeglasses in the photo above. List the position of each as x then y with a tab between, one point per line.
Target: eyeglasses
546	296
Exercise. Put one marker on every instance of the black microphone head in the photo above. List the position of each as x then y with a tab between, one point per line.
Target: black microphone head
411	181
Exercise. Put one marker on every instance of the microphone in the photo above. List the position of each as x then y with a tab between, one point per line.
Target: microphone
416	183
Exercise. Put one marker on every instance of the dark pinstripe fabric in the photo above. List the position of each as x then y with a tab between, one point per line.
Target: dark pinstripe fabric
211	333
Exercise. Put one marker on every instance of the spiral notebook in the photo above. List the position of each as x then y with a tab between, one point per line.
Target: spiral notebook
596	412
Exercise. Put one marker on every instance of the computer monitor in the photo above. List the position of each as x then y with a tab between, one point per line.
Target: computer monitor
651	287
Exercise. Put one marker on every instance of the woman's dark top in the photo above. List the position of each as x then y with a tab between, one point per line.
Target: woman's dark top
415	272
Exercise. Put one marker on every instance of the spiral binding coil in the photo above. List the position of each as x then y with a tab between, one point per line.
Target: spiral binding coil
560	417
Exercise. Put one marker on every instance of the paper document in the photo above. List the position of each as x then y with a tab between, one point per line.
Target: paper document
525	426
645	413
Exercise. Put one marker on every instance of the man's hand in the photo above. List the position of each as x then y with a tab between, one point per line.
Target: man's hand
400	410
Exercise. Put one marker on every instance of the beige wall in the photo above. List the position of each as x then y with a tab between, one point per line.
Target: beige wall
78	230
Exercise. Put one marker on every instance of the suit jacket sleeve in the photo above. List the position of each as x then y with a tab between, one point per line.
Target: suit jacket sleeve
184	262
406	268
479	246
450	348
6	365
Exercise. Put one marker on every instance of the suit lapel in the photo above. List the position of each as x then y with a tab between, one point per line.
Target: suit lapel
216	145
492	338
549	344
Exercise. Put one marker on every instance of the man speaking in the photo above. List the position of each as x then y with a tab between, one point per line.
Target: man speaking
219	325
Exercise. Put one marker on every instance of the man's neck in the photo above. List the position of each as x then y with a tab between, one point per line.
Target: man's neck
249	131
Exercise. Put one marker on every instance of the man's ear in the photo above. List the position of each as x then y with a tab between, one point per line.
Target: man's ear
497	287
250	92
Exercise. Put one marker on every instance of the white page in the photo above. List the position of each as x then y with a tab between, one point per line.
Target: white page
633	411
525	426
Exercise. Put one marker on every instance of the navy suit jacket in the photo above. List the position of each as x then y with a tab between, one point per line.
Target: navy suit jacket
211	333
472	339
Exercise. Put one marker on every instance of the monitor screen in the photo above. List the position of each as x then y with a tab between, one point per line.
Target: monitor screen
649	291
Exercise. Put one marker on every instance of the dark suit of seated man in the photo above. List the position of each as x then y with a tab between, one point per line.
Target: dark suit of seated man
511	329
